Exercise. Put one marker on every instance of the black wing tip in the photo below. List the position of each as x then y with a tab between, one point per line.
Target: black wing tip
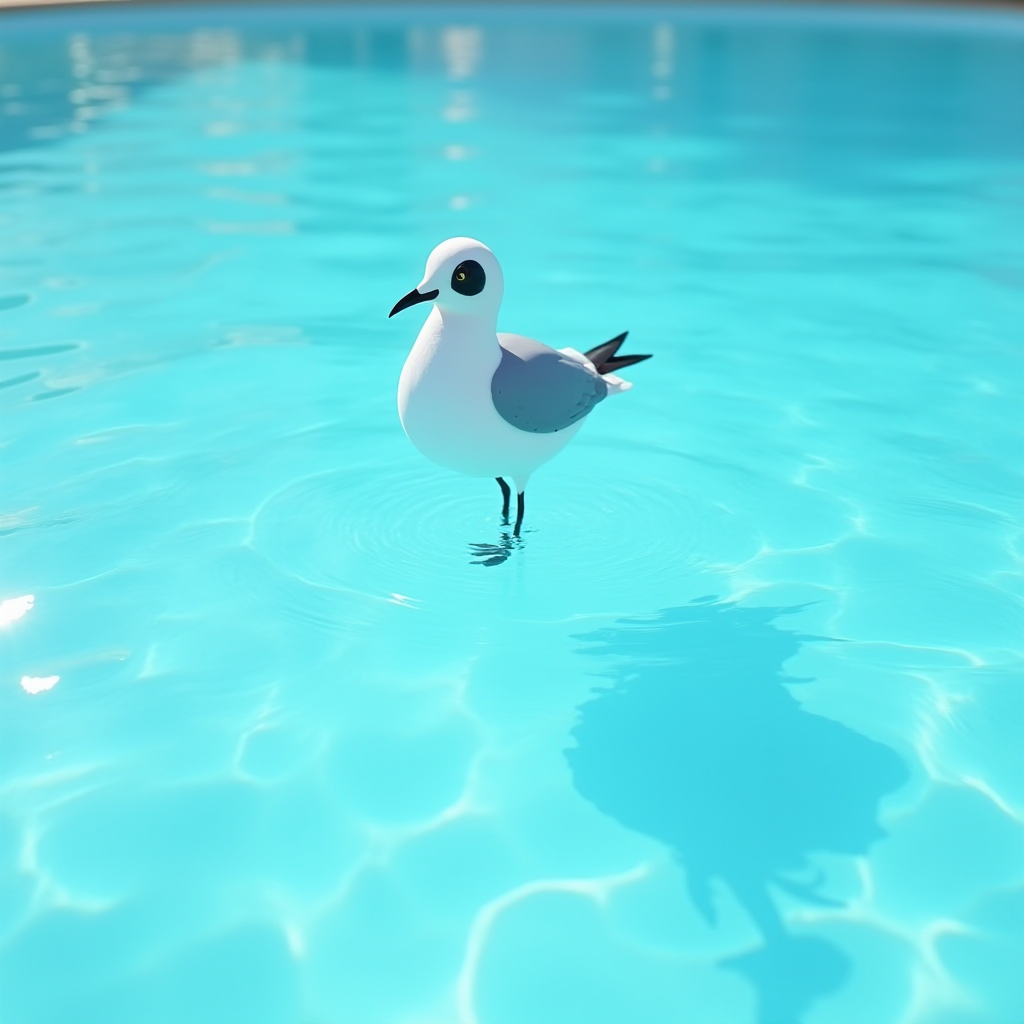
604	358
604	351
620	362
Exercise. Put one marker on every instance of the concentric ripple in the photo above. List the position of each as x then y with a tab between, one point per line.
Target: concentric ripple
415	531
398	525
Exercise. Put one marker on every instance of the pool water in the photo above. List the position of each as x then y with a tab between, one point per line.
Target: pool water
733	735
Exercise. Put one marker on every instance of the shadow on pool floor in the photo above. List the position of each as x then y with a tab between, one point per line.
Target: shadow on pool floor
698	743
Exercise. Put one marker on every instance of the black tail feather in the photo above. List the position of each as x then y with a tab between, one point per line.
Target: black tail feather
606	361
611	365
602	352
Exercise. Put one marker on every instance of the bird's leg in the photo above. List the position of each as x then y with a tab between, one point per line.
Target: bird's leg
495	554
506	494
520	509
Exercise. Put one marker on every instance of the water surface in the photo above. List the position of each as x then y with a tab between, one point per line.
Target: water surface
733	735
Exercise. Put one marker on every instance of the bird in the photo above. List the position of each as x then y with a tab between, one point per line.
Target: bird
489	404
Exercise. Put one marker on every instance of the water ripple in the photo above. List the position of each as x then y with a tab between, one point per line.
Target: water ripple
412	529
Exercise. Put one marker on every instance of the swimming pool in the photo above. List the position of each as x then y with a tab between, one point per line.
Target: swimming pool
734	735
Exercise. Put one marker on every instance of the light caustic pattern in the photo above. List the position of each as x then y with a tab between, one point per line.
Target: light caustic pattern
734	734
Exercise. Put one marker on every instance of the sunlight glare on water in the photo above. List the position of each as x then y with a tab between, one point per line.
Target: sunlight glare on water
732	735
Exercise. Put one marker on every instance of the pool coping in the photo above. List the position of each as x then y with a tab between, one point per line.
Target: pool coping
964	6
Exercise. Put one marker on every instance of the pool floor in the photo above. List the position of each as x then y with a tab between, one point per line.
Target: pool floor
733	734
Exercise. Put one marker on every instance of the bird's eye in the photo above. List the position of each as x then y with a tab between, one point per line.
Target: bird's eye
468	278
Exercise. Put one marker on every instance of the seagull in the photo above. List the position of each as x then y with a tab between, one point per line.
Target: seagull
490	404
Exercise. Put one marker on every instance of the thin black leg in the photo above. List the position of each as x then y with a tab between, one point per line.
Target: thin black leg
506	494
495	554
520	509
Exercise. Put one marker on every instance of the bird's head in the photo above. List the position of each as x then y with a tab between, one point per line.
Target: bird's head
462	276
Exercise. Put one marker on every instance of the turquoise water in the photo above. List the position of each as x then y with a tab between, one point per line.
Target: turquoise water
734	735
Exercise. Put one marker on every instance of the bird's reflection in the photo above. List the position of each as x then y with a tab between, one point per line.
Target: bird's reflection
698	743
495	554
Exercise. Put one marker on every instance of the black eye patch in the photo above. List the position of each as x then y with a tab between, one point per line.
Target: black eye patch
468	278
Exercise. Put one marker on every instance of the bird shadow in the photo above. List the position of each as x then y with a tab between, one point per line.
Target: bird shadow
698	743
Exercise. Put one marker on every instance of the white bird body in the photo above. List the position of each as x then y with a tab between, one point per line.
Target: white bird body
446	409
490	404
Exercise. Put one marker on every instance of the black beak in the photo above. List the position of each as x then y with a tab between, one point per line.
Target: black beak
411	299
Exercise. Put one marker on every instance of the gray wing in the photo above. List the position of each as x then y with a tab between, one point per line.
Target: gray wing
540	390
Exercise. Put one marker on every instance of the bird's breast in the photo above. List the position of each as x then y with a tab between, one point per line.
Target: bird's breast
444	398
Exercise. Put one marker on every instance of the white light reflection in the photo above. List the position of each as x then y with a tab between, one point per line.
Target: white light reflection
221	129
82	59
38	684
15	607
209	47
663	44
462	48
460	107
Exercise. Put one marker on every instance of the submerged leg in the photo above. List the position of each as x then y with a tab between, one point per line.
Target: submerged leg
520	509
506	494
495	554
